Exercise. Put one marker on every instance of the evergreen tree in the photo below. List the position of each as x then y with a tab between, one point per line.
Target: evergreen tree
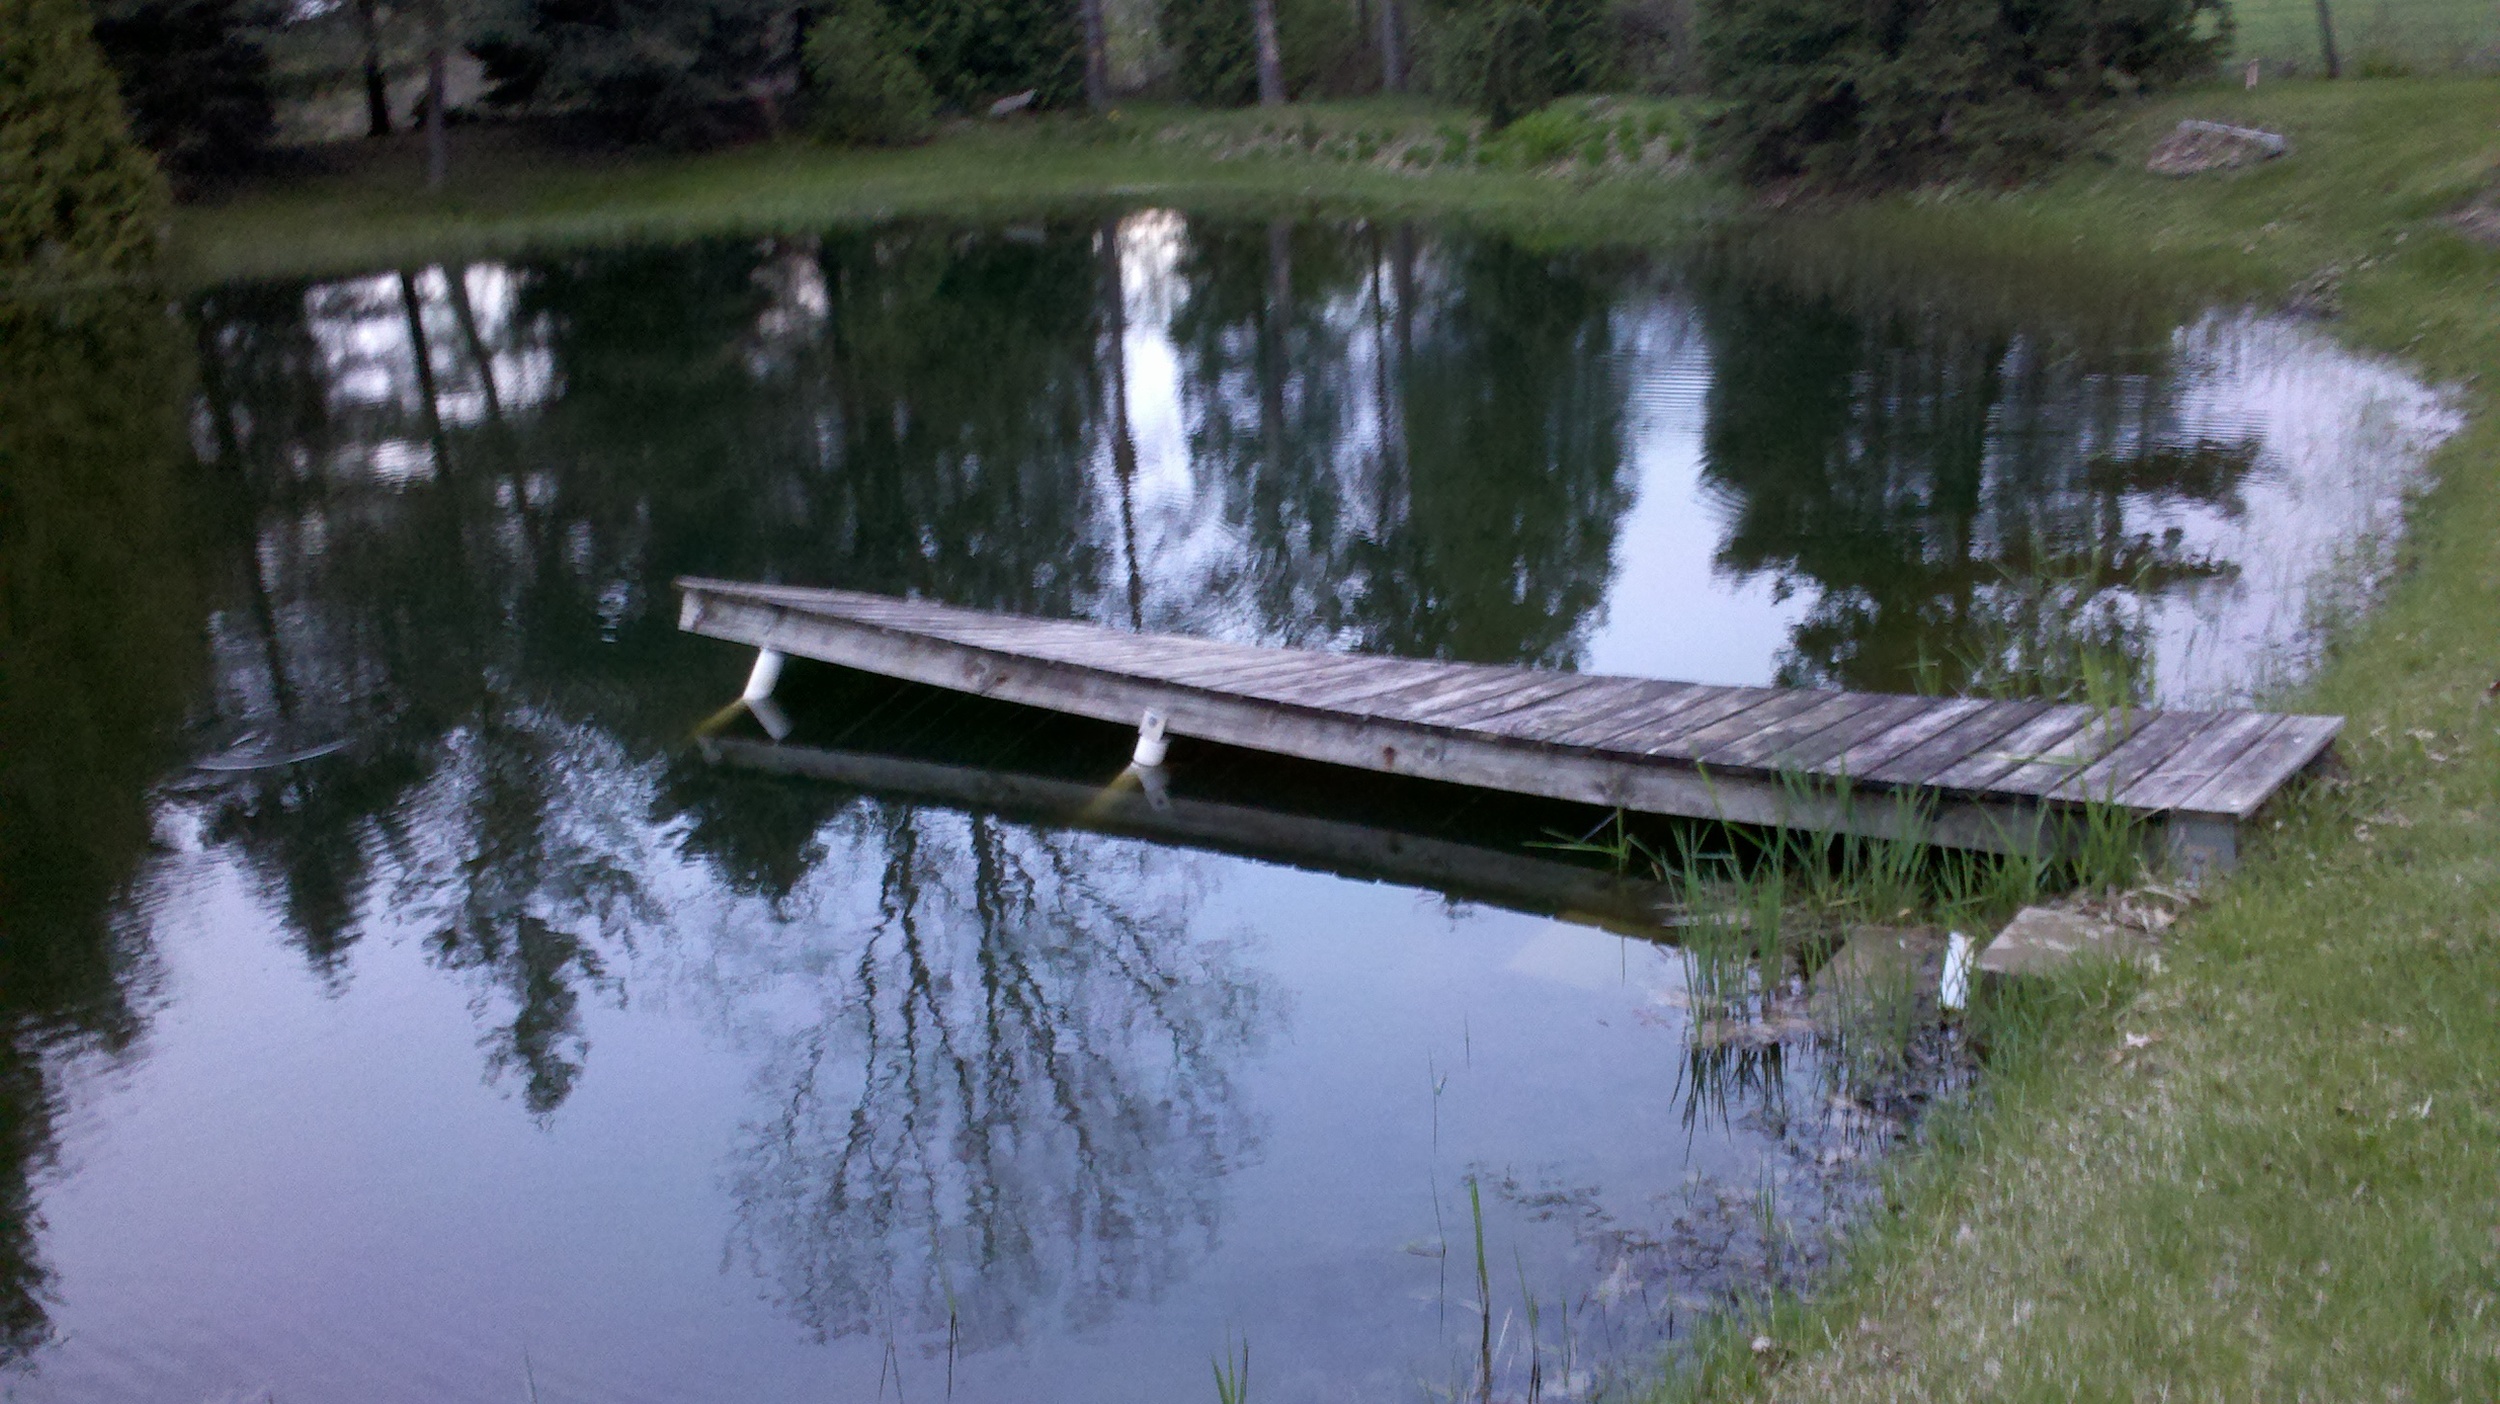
77	199
1880	92
194	77
674	71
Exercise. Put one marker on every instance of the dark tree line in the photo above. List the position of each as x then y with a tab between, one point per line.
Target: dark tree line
1858	95
199	77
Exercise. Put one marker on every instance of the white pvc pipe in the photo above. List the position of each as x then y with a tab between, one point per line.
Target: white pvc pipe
768	715
762	678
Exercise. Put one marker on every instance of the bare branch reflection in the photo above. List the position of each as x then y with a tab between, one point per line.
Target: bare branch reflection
1011	1100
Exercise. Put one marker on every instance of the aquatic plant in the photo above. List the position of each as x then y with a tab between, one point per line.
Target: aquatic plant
1484	1291
1232	1373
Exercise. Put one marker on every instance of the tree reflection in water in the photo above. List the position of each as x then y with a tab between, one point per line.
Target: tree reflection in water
1956	501
99	652
1416	450
1012	1091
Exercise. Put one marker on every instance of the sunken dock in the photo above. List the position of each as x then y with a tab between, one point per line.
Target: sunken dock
2003	776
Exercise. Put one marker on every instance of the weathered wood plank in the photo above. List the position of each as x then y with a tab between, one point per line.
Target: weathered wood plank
1496	713
2130	760
1650	735
2189	768
1482	697
2259	771
1760	747
1344	689
1613	707
1695	742
1275	679
1882	716
1975	730
2054	765
2025	745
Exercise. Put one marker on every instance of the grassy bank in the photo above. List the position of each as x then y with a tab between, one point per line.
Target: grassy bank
363	205
2268	1175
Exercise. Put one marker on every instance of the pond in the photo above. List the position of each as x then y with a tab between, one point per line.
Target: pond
401	1006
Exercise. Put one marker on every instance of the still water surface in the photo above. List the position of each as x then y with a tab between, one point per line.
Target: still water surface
512	1050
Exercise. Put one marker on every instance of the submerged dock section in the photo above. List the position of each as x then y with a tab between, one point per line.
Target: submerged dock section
2004	776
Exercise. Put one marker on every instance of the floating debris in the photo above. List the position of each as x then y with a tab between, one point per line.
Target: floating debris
242	759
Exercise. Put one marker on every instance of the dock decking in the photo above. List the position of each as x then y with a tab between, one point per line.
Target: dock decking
2004	776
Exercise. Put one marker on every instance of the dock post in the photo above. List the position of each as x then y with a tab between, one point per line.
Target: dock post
2200	847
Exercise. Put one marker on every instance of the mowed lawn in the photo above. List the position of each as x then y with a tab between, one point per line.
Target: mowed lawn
2374	37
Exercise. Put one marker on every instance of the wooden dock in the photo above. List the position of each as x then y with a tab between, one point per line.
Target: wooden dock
2003	776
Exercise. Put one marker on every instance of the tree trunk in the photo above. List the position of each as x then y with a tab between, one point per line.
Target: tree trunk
437	150
456	278
377	87
2326	41
1274	365
421	353
1097	58
1123	442
1271	58
1392	47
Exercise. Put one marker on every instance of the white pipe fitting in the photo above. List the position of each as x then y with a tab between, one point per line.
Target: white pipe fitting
1151	744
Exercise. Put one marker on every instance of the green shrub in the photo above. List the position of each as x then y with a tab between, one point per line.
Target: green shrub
78	200
867	90
1543	137
1852	93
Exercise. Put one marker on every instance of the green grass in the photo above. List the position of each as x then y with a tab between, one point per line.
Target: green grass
2268	1173
2375	37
